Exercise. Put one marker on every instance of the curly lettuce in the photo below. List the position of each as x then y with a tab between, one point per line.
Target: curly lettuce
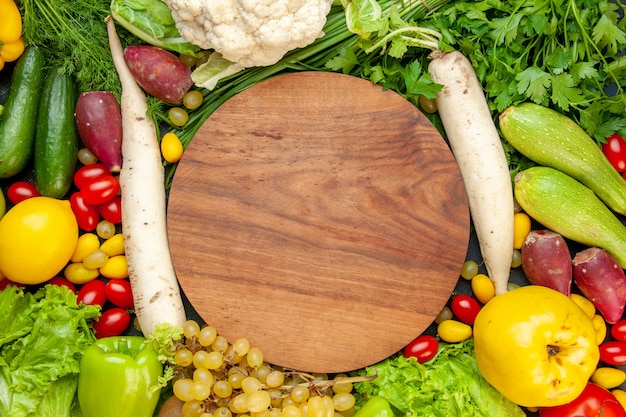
449	385
42	338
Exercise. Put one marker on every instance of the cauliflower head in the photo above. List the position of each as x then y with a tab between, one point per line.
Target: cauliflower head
250	32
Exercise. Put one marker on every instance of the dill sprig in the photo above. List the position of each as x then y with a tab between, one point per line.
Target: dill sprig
73	36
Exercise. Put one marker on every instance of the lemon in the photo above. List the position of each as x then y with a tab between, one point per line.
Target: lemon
37	239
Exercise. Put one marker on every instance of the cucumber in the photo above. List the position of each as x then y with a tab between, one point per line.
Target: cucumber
56	137
565	206
17	122
550	138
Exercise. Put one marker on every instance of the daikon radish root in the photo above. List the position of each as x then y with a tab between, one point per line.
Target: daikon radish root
155	288
478	150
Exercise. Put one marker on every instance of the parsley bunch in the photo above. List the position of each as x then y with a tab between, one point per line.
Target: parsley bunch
564	54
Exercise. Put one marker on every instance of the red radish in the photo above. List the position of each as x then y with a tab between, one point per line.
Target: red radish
159	72
99	123
600	278
478	150
547	261
156	293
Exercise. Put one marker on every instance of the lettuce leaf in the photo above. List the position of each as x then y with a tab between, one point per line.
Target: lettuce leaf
42	338
448	385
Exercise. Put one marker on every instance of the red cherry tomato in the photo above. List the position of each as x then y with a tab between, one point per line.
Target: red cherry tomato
93	293
594	401
112	210
62	281
87	215
100	190
6	282
618	330
423	348
88	173
20	191
465	308
615	151
112	322
613	352
119	292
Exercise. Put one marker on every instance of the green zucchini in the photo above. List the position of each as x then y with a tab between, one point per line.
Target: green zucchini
565	206
552	139
56	137
17	122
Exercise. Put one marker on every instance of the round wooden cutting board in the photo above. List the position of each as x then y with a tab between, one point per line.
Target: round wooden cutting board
320	217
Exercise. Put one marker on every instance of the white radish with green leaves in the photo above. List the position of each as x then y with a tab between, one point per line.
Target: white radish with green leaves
155	288
478	150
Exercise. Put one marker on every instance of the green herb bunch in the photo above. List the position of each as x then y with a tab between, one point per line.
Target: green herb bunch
564	54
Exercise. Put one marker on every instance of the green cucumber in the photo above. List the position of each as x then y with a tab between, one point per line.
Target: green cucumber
565	206
56	137
552	139
17	122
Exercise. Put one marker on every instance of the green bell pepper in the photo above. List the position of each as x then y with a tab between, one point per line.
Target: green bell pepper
376	406
117	378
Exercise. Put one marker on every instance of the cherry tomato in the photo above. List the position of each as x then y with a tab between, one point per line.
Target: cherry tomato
423	348
87	215
100	190
594	401
112	322
618	330
62	281
89	173
465	308
6	282
112	210
119	292
93	293
615	151
613	352
20	191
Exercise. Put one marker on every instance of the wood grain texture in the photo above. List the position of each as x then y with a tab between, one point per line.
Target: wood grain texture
320	217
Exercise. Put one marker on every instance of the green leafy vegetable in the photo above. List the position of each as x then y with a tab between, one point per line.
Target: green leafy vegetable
152	22
74	38
562	54
42	338
449	385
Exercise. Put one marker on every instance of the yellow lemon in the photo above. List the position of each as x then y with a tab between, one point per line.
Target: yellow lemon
37	239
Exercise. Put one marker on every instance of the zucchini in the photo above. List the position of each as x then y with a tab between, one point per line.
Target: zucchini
552	139
17	122
569	208
56	137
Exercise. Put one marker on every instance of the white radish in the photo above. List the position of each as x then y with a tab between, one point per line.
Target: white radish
155	288
478	150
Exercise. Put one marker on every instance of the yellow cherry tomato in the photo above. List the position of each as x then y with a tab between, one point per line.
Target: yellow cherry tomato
584	303
171	147
114	245
600	325
87	243
483	288
608	377
620	395
521	229
76	273
115	268
453	331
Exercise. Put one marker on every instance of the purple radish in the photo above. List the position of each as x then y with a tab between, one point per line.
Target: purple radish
546	260
99	123
601	279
